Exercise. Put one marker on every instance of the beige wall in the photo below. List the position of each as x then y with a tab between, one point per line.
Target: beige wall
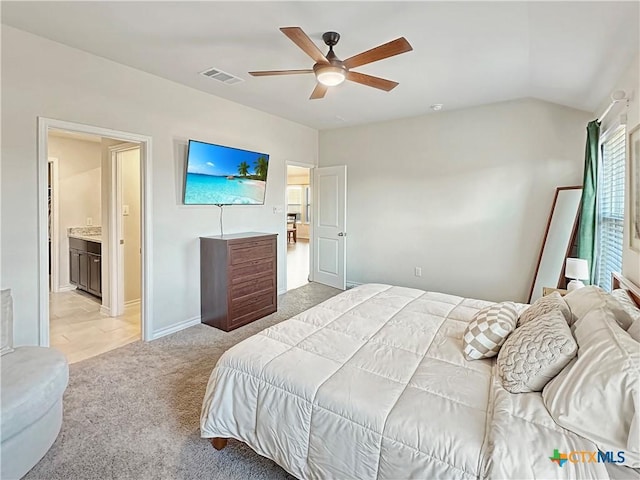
83	88
630	83
465	195
79	179
131	224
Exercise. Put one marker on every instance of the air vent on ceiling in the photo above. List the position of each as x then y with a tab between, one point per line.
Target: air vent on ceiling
221	76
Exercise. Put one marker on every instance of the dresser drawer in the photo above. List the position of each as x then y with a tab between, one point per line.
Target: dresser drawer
250	270
252	303
257	284
238	321
249	251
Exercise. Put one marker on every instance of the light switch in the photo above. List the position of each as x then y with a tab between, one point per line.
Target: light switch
89	221
278	209
125	210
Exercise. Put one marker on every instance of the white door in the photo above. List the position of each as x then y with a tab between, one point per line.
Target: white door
329	226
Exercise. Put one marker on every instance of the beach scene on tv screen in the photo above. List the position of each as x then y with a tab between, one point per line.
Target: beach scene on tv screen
223	175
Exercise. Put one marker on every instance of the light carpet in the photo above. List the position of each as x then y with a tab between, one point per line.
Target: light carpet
134	412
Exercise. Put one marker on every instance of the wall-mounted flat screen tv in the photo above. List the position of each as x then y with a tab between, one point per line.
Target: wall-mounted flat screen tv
218	175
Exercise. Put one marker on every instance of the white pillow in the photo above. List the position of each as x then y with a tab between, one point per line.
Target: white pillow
6	322
627	303
488	330
585	299
634	330
597	395
535	353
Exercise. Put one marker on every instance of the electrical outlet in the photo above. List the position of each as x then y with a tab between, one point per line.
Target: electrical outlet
89	221
417	272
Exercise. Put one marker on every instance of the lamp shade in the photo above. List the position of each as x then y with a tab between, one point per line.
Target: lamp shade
577	268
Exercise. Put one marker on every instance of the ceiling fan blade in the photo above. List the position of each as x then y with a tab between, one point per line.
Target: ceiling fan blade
369	81
297	36
266	73
394	47
318	92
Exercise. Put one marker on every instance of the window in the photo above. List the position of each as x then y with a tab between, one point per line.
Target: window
307	204
611	207
299	202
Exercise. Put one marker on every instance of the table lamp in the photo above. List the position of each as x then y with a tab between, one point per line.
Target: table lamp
577	269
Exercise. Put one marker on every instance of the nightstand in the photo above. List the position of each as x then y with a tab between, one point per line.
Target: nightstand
549	290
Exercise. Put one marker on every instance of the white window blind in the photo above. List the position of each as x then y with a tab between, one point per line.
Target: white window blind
611	207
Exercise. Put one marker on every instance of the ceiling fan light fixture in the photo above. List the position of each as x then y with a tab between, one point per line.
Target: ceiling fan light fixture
330	70
330	75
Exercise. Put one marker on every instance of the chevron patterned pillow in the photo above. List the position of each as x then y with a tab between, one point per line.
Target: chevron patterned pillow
488	330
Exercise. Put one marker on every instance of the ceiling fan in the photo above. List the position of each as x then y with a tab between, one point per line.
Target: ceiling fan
330	70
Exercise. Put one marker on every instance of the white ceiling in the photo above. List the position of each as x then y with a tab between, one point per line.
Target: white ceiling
465	53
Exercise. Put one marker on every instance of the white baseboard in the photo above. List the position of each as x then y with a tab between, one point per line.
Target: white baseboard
163	332
282	292
131	303
353	284
105	310
66	288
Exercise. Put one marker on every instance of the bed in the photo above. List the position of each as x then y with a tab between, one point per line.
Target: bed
373	384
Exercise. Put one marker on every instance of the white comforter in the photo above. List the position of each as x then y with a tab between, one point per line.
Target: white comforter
372	384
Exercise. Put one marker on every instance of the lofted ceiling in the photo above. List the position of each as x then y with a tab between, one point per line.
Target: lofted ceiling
465	53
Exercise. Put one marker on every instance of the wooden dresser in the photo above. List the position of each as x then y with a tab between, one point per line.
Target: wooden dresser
238	278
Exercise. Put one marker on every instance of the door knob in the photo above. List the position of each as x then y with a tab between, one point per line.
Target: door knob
342	234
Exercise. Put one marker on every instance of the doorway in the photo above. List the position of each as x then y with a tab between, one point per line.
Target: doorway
299	198
81	323
75	200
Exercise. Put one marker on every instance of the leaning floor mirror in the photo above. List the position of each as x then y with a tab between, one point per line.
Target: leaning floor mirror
558	238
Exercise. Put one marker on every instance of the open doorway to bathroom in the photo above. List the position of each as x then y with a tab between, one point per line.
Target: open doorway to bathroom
87	175
298	225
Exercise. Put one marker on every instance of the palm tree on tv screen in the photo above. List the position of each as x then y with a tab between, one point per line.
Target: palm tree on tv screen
243	169
261	165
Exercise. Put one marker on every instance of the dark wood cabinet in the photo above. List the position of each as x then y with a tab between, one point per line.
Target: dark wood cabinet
74	266
95	274
83	283
238	279
85	265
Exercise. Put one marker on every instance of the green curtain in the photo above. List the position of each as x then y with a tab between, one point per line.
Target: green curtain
587	232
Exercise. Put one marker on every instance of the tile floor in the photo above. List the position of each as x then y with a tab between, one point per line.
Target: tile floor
80	331
297	263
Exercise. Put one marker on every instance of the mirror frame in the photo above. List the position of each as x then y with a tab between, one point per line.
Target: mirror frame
546	235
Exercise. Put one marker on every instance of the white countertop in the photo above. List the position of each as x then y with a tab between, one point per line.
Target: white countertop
89	238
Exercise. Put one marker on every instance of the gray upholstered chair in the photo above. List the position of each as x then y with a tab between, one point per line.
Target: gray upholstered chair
33	380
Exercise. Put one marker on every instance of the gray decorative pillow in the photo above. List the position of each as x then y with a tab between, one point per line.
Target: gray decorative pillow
488	330
545	305
535	353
